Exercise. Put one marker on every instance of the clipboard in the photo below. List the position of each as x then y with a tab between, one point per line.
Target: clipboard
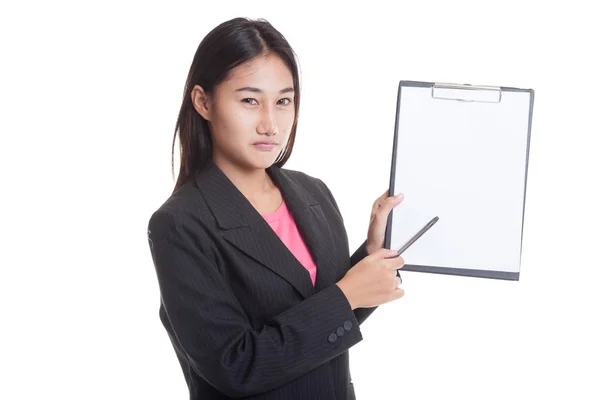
461	153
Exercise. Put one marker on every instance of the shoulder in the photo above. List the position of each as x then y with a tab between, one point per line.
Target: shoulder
307	181
181	224
183	212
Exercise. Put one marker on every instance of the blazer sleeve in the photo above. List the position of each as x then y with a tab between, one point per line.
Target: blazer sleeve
361	314
216	334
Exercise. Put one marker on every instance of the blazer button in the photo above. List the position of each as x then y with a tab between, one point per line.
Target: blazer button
332	337
347	325
340	331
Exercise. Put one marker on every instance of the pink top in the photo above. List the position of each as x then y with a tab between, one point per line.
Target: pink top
282	222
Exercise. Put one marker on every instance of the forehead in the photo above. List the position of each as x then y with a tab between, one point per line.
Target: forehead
268	73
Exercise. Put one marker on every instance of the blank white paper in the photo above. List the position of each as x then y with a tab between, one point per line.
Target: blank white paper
466	163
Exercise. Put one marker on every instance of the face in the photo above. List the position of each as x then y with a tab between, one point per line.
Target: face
255	104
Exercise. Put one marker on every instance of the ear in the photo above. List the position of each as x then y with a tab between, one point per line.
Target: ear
201	102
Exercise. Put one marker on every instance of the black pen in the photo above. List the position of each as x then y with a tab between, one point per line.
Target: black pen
418	235
414	239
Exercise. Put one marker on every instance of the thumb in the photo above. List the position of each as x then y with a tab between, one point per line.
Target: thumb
390	203
385	253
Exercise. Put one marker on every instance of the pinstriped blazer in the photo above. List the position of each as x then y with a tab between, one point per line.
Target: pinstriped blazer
239	309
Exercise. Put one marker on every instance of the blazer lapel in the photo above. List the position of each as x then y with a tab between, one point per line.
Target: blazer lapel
242	226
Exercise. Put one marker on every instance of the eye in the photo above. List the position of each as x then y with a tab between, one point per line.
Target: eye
288	101
249	102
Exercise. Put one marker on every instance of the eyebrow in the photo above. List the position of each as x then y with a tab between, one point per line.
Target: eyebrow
257	90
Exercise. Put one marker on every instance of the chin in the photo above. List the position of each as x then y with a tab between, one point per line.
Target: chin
260	162
265	163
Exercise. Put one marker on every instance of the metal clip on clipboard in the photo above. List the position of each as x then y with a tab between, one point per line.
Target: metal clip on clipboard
466	92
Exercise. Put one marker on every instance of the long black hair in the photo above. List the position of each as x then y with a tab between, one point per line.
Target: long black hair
228	45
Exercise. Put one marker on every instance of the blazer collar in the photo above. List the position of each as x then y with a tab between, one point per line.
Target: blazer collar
231	208
242	226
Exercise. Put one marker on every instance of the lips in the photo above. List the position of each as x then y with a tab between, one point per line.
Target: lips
264	146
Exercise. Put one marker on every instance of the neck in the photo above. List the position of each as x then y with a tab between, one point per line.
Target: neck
252	183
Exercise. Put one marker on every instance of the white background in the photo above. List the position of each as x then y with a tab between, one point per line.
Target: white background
89	99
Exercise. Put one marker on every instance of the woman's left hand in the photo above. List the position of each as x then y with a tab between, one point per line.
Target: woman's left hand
379	216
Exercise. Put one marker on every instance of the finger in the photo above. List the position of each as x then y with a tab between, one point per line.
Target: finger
389	254
379	201
388	204
384	253
394	263
396	278
398	292
385	194
395	282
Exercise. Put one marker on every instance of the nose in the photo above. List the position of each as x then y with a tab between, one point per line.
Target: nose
266	124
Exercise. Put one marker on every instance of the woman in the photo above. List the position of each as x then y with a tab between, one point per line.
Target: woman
258	293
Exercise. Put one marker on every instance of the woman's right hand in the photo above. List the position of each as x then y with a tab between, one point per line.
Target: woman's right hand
373	281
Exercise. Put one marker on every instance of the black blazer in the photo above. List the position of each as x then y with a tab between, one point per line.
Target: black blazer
239	308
